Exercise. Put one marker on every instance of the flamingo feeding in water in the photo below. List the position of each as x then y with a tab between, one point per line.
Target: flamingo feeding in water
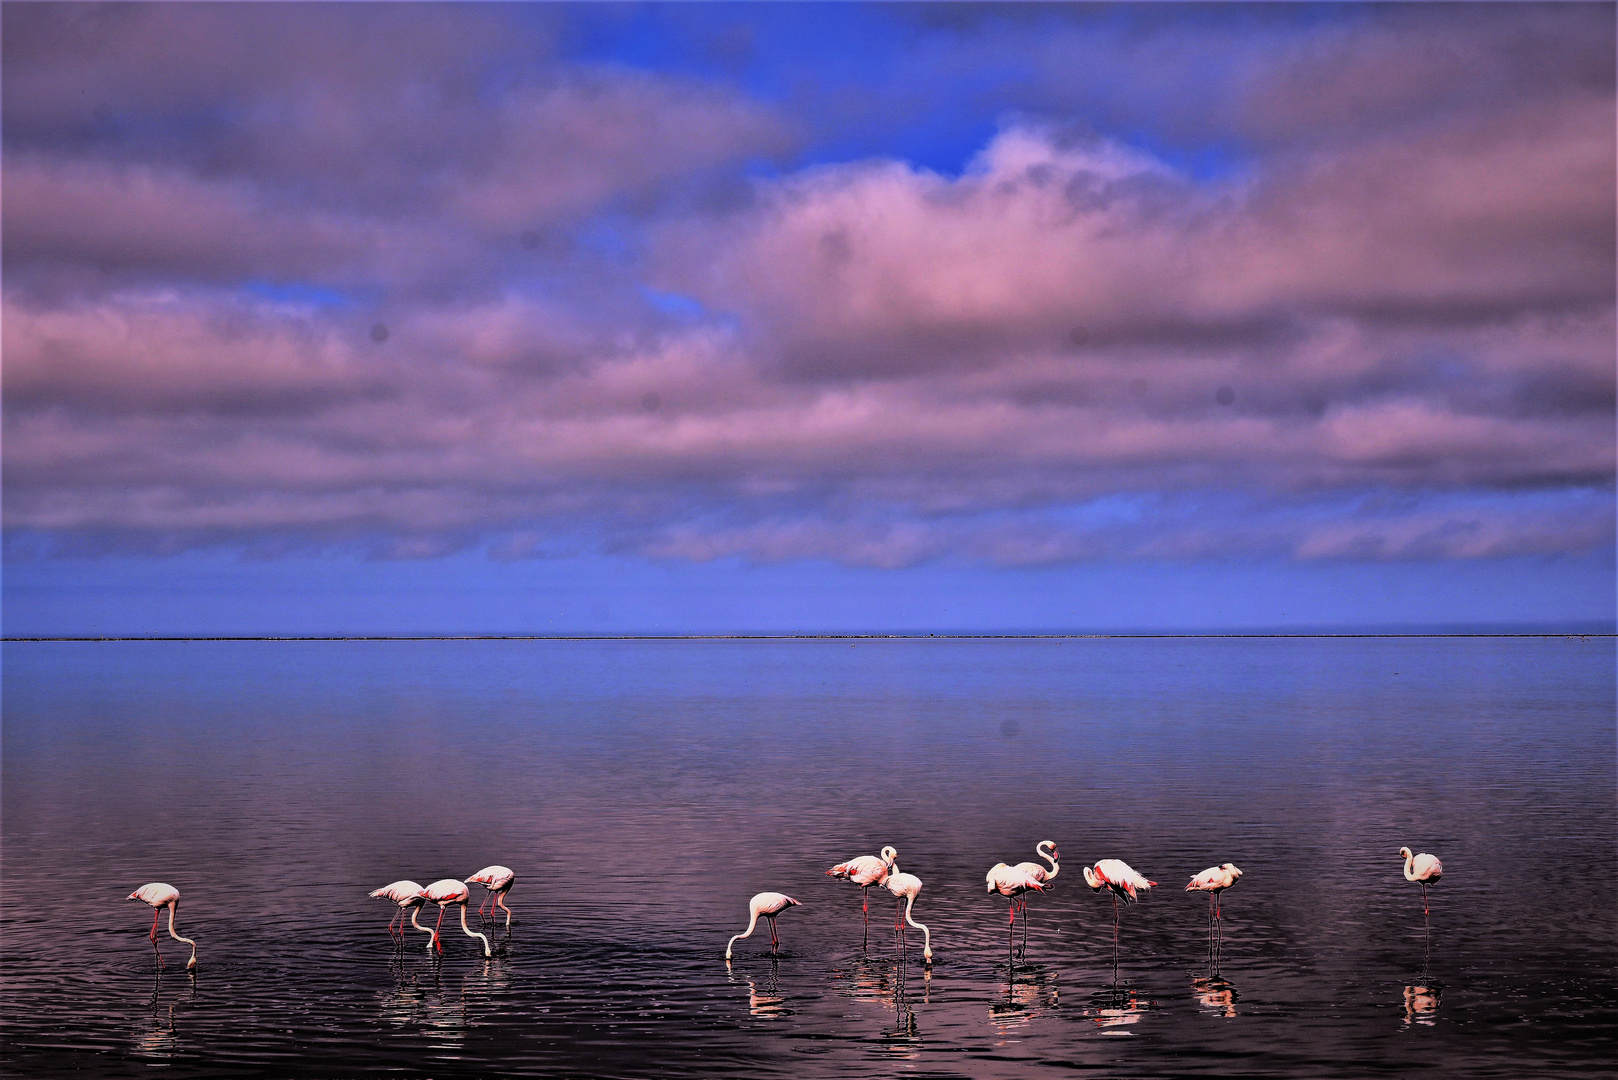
1213	881
769	905
158	896
498	880
1011	883
445	892
1121	879
408	895
865	871
1040	874
905	887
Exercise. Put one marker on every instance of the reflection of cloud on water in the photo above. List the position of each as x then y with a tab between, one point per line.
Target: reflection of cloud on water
1112	1009
1216	995
1028	995
1421	1004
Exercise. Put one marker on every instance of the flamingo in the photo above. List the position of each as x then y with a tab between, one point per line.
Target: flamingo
1213	881
1119	878
865	871
1011	883
408	895
1040	874
445	892
498	880
769	905
158	896
1424	870
905	887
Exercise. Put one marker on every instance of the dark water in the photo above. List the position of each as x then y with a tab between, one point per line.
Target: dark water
644	790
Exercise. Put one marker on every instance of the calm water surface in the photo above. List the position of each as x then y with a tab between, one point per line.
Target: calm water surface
644	790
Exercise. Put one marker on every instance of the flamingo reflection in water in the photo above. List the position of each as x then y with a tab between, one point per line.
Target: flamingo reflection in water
158	896
1421	1004
1120	879
1117	1009
158	1036
1029	993
1214	881
1216	995
767	1003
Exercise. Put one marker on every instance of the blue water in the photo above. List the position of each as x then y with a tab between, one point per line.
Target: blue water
644	790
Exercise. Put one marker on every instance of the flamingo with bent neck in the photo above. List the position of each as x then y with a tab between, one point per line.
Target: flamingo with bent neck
1040	874
497	880
445	892
1011	883
768	905
158	896
1125	883
408	895
905	887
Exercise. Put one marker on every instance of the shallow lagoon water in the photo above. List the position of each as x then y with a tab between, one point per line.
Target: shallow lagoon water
643	790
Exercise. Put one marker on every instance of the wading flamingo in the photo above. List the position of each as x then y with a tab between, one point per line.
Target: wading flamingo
769	905
407	894
1039	874
1424	870
498	880
1119	878
1011	883
444	893
158	896
865	871
1213	881
905	887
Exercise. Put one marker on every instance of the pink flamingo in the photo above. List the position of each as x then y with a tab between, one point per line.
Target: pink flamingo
904	887
445	892
1040	874
158	896
1011	883
408	895
865	871
498	880
1119	878
769	905
1424	870
1213	881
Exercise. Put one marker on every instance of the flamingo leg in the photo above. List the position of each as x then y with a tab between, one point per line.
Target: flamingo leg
155	913
1114	939
775	941
436	925
1024	906
1011	928
501	899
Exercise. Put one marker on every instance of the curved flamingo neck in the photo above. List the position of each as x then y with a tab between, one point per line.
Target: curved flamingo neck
172	909
473	933
1043	854
746	933
927	942
415	911
1410	861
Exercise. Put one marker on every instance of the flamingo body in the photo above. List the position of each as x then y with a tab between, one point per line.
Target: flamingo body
1012	882
1038	872
1424	869
157	896
1215	879
1119	877
498	880
865	871
766	905
408	895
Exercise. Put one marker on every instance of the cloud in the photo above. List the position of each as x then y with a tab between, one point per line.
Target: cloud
438	298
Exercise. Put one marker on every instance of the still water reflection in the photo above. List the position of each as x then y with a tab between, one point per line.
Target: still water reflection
644	790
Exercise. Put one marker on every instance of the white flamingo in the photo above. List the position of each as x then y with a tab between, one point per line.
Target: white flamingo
905	887
158	896
769	905
1120	879
865	871
1213	881
1011	883
1424	870
408	895
1040	874
445	892
498	880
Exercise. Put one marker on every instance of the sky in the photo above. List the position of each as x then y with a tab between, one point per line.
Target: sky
377	318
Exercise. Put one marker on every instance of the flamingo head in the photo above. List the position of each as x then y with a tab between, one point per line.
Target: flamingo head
1404	853
1232	869
1056	856
889	854
1093	879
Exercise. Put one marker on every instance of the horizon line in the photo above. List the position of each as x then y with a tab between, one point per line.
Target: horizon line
1053	636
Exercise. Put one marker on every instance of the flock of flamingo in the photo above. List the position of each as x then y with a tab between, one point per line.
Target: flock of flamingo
1115	876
